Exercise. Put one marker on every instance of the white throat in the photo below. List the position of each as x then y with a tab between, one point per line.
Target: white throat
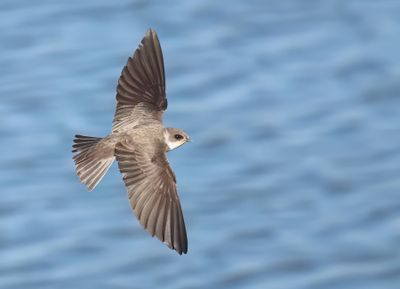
171	144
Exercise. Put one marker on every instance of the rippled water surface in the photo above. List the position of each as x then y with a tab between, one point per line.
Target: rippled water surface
292	180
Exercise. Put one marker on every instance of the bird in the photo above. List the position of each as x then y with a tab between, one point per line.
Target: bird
139	143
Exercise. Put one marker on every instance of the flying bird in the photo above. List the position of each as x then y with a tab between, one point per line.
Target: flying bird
139	142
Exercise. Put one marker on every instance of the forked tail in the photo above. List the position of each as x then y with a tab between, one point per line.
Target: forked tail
92	159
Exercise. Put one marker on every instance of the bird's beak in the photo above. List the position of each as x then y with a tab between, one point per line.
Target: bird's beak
189	139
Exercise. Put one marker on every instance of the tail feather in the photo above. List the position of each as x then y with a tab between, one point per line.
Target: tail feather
92	159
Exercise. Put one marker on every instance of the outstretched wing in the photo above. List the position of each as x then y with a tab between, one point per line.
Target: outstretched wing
153	195
141	86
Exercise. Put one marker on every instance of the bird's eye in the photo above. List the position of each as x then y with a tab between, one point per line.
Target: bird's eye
178	137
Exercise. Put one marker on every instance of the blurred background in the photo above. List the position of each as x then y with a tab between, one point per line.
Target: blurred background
292	180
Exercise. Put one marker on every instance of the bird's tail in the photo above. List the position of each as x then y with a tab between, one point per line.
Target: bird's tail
92	159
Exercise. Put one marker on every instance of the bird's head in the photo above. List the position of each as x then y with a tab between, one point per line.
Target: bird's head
175	137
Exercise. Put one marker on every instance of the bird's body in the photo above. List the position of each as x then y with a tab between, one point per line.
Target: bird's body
139	142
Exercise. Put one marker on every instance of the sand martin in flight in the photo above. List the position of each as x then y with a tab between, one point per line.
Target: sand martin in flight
139	142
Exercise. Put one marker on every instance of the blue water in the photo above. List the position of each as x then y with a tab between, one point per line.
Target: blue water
292	181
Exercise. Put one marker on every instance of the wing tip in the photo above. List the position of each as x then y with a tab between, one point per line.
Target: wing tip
152	34
178	250
150	31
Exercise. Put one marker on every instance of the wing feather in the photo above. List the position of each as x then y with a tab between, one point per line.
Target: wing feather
142	81
153	194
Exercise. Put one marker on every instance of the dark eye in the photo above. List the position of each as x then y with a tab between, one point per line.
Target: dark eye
178	137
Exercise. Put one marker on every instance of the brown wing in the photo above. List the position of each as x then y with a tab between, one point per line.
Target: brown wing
153	195
142	81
